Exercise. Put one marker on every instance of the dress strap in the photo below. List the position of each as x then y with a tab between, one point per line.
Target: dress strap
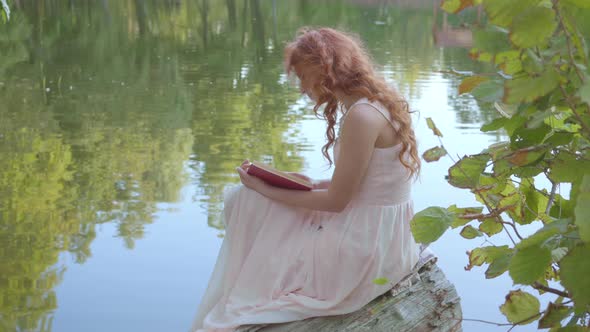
379	109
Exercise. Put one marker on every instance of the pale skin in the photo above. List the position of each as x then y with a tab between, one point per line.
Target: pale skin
363	130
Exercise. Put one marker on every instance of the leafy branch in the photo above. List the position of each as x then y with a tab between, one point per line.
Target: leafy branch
545	111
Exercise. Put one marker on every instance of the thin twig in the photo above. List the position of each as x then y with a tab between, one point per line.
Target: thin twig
486	240
567	39
539	286
524	320
536	189
513	226
458	319
485	202
486	321
554	186
478	320
510	236
492	214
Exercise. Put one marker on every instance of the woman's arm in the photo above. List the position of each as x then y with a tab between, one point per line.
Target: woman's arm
317	184
359	133
322	184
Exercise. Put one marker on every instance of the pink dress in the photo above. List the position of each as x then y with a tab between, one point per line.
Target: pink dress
280	263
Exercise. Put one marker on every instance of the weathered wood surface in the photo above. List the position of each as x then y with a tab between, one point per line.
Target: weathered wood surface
430	304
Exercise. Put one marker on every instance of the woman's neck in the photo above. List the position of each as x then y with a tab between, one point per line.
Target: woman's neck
347	100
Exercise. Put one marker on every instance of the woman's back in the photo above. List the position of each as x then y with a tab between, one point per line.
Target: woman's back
387	181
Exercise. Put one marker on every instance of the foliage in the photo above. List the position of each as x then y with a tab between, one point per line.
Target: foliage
4	10
542	92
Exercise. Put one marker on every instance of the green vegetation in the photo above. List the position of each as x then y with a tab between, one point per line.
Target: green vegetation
4	11
542	92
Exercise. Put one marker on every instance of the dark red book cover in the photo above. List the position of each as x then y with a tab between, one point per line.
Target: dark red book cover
278	178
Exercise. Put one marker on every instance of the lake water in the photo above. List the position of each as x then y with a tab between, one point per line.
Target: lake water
122	121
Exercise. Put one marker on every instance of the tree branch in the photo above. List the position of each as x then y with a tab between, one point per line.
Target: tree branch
568	38
551	196
573	107
513	227
544	288
485	202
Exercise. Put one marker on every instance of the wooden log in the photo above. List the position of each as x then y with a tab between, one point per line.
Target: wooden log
431	303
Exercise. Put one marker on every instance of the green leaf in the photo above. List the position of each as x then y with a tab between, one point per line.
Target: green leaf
538	118
490	226
497	147
469	232
466	172
532	63
380	281
554	314
455	6
544	234
490	184
430	224
559	120
432	126
529	264
513	202
507	111
520	307
494	124
509	61
488	91
6	10
463	215
488	254
502	12
516	122
576	3
525	137
582	210
574	272
525	88
498	266
559	138
470	83
527	156
562	208
434	154
502	168
585	92
565	167
558	253
536	202
490	41
533	27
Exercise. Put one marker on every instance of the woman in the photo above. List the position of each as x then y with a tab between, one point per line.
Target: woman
289	255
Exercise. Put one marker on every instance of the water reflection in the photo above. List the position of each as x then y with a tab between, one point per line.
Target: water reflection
109	108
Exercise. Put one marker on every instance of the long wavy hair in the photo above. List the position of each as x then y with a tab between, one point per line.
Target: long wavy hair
343	63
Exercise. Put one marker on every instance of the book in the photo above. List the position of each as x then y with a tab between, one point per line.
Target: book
278	178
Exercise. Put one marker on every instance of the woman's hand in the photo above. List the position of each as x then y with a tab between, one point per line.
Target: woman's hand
248	180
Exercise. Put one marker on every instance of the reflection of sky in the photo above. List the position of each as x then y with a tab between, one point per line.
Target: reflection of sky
157	285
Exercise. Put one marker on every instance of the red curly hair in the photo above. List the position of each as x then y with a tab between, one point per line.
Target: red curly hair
343	63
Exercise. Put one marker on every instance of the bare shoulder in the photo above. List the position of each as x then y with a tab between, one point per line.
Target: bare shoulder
364	117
